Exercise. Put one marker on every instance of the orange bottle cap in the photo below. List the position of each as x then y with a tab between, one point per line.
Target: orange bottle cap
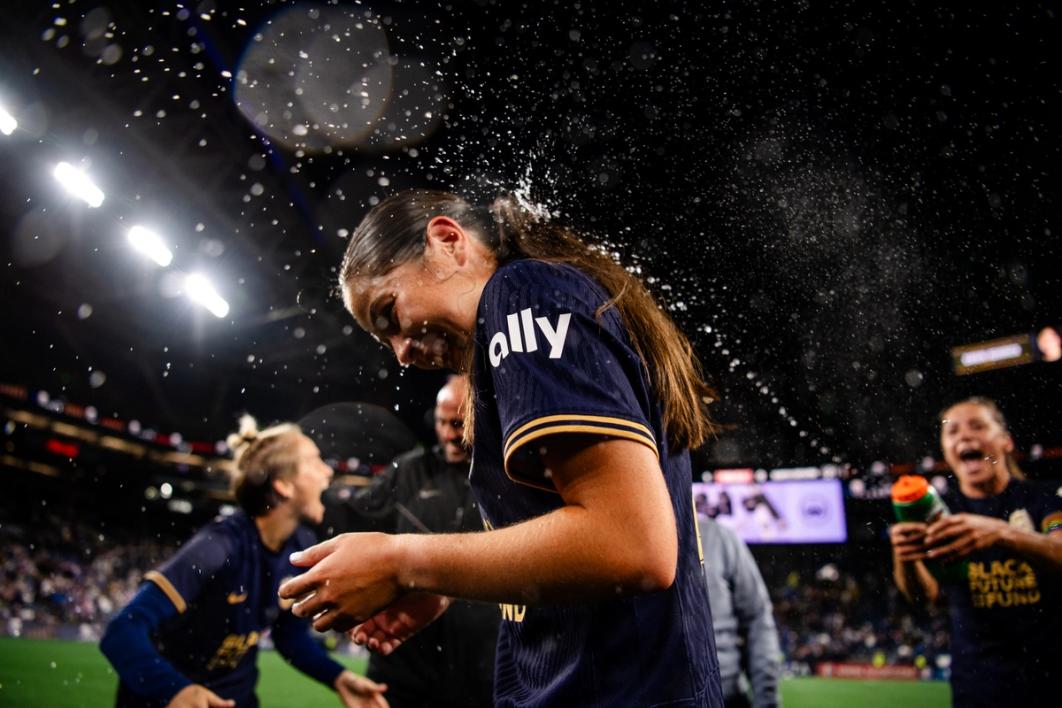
909	488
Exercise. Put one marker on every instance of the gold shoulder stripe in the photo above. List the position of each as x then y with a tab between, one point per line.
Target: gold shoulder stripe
515	443
167	587
598	430
578	417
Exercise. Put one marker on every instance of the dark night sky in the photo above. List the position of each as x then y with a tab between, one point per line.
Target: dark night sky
827	197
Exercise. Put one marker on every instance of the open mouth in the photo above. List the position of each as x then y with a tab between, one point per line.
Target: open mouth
973	454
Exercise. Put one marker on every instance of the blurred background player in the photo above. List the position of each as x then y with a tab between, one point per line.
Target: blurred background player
1006	623
190	635
745	634
451	662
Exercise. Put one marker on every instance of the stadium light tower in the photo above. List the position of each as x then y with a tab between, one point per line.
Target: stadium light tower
200	290
150	244
78	184
7	121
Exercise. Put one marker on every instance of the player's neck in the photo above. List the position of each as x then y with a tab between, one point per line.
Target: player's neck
988	488
275	528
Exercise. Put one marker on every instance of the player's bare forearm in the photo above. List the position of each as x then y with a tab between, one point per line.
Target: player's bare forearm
614	534
534	562
915	581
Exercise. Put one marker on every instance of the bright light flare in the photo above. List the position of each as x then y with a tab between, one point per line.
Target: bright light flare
150	244
78	184
7	122
200	290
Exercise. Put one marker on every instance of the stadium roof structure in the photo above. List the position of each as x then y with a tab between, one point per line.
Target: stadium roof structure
827	198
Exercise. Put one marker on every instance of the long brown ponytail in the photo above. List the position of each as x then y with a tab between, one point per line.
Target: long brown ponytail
393	232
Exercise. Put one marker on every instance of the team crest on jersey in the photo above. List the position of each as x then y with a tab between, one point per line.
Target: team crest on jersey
1020	519
521	336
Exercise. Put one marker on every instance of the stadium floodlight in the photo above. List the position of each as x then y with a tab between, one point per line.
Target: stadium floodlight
150	244
78	184
7	122
200	290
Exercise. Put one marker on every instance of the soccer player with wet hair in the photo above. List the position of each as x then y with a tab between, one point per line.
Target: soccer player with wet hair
585	398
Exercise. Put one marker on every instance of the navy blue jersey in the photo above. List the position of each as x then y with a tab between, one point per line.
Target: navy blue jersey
1006	615
545	364
223	583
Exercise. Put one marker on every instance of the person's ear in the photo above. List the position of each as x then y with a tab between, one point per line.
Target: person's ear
446	237
284	489
1008	444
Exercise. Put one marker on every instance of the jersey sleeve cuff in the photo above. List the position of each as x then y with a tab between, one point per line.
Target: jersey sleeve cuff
608	426
168	589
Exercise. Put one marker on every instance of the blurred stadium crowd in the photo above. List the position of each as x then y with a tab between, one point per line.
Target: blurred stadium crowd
834	615
65	580
61	580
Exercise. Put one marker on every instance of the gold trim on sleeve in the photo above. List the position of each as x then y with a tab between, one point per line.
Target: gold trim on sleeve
167	587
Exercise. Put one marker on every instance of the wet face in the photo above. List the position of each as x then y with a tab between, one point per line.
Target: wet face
975	446
312	478
425	309
414	311
449	421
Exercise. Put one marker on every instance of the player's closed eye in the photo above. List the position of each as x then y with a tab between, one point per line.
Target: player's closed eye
383	320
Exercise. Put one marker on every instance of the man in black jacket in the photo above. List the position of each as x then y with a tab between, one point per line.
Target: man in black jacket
450	663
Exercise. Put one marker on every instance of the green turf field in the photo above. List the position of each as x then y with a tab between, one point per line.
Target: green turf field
68	674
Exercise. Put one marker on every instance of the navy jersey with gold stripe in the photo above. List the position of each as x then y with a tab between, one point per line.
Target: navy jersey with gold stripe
546	364
223	583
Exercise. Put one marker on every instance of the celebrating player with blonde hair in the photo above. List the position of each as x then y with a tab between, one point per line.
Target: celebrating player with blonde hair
189	639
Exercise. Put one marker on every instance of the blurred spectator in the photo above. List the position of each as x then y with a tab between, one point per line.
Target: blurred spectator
449	663
745	636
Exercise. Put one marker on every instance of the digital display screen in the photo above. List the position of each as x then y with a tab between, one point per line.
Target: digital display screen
809	511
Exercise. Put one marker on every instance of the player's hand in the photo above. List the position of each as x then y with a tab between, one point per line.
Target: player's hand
359	692
196	696
351	577
960	535
908	540
386	630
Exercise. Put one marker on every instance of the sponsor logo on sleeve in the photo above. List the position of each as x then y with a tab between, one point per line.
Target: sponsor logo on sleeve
520	335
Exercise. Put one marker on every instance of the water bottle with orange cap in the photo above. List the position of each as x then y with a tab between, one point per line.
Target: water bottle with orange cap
915	499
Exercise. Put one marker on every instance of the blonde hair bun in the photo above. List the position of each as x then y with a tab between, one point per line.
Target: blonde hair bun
241	440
